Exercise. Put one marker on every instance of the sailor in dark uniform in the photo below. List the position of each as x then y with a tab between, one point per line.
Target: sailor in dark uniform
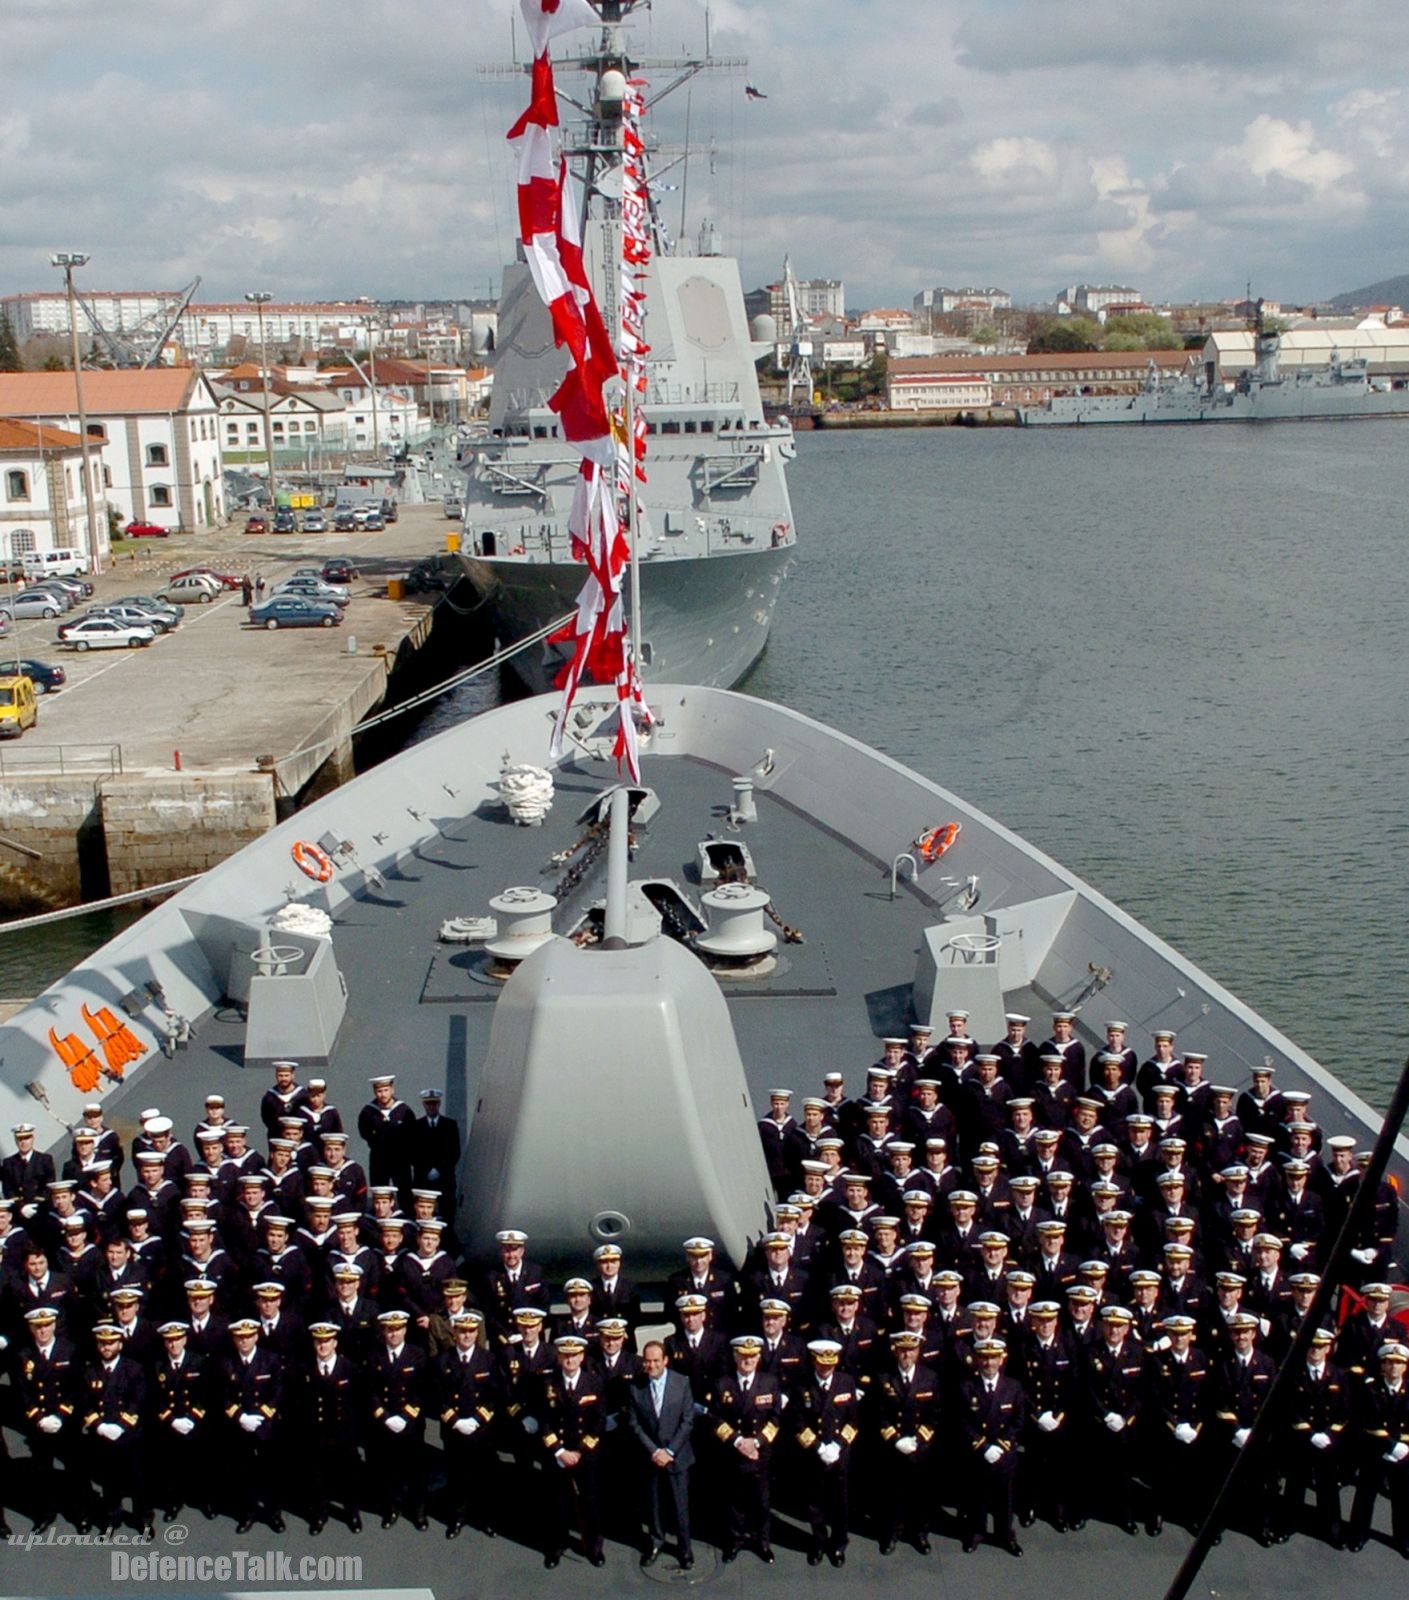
284	1096
511	1283
701	1276
113	1407
249	1390
1298	1217
329	1404
26	1175
774	1131
385	1126
397	1395
745	1414
47	1377
1161	1067
155	1193
1218	1135
1382	1429
1173	1422
1260	1107
1018	1056
826	1422
352	1312
1313	1441
1062	1041
612	1294
1053	1095
784	1354
1115	1041
1047	1369
1242	1382
854	1333
572	1417
1364	1331
697	1352
209	1335
1115	1394
994	1415
182	1421
467	1402
777	1279
905	1412
435	1152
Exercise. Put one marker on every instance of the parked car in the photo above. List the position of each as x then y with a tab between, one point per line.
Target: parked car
373	522
46	679
226	580
345	521
314	521
132	616
454	508
195	589
31	603
104	633
389	510
285	521
78	588
66	561
65	599
294	611
160	610
333	594
17	708
146	530
257	524
335	570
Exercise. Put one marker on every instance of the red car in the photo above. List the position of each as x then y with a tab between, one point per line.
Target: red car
257	525
146	530
226	580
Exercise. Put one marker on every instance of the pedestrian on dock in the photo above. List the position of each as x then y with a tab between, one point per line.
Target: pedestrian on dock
246	590
259	585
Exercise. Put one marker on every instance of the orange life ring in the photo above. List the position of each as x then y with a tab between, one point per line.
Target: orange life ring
310	859
932	845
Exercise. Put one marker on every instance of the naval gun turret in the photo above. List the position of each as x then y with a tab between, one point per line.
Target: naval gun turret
613	1105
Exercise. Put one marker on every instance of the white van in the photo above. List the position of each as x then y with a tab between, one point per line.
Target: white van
66	562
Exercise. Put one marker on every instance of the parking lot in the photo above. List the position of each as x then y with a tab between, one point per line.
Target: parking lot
216	689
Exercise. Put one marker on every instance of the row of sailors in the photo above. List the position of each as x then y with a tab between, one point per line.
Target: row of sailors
1041	1227
981	1107
302	1128
1039	1421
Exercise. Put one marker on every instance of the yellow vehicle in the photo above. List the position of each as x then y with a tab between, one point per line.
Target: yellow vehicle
18	709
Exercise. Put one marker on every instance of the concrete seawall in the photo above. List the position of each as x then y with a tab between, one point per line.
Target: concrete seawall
156	763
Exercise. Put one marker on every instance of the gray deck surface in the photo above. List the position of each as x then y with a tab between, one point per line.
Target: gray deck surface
419	1008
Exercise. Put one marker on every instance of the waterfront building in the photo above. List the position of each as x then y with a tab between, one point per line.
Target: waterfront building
154	432
42	504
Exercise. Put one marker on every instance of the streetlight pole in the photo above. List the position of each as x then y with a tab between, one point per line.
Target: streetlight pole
369	323
259	300
68	260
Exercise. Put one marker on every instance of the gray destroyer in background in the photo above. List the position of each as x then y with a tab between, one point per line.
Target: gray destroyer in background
1344	390
718	535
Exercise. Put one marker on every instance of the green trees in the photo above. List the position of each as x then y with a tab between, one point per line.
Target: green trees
9	346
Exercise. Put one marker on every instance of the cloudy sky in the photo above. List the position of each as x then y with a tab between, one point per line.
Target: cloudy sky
315	148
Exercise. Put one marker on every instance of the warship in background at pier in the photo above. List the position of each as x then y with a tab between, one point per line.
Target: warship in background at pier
1345	390
718	534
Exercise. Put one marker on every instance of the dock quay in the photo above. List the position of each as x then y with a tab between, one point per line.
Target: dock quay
152	764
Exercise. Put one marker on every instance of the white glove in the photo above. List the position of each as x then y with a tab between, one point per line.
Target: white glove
396	1424
1186	1433
908	1445
1048	1423
829	1454
250	1421
109	1430
467	1426
783	1401
993	1455
183	1425
1398	1453
1322	1441
530	1425
28	1211
1365	1256
4	1342
1240	1438
1301	1251
1114	1421
1264	1327
50	1424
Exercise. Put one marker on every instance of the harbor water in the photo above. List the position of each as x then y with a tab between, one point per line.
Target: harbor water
1173	659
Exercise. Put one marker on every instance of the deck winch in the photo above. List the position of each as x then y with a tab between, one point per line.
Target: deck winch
737	936
525	917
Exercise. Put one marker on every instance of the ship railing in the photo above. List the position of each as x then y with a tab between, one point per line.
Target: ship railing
63	759
713	472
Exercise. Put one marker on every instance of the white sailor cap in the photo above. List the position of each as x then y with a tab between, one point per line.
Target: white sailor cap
1116	1027
159	1124
510	1236
826	1352
431	1094
577	1286
382	1077
780	1094
698	1245
1015	1016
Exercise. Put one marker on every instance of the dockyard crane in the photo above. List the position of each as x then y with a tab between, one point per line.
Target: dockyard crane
799	339
142	344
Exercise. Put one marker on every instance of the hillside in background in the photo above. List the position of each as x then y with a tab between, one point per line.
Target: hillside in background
1387	292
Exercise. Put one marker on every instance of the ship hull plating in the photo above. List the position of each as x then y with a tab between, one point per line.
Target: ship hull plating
706	621
1286	402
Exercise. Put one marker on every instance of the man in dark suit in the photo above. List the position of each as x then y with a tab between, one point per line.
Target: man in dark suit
612	1294
435	1152
696	1352
994	1414
660	1412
